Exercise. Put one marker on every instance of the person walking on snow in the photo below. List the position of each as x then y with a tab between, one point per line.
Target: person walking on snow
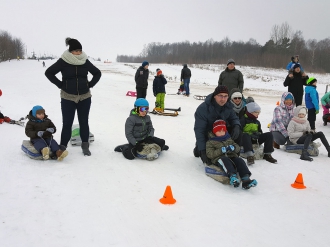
75	90
141	80
185	78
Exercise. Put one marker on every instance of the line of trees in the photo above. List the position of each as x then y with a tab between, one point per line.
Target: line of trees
276	53
10	47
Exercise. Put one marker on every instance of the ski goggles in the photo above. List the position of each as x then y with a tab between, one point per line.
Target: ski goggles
237	98
143	108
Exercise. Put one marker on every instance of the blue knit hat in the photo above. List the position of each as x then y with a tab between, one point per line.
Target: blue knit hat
141	102
145	63
289	96
37	109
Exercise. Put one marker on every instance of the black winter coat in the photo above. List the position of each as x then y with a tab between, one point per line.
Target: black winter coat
74	77
159	85
185	72
205	116
34	125
141	77
295	86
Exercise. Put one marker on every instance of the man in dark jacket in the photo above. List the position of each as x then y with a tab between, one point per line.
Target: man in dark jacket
231	77
216	106
141	80
185	77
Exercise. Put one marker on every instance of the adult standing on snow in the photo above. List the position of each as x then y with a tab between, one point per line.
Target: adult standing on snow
231	77
185	77
75	90
216	106
141	80
295	82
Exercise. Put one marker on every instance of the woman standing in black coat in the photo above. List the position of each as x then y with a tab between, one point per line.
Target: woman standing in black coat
75	90
295	82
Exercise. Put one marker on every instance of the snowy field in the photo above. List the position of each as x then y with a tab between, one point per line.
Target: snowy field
105	200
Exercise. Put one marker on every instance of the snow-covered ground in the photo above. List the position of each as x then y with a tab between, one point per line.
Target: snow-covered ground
106	200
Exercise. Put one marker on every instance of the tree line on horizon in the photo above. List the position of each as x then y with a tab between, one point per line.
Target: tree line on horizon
10	47
275	53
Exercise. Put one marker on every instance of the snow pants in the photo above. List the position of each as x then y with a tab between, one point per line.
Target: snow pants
40	143
234	165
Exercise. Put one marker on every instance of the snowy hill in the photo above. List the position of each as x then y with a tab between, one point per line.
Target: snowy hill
106	200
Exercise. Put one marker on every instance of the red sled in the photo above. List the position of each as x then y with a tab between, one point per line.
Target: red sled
130	93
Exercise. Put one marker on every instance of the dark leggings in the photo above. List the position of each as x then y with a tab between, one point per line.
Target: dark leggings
141	92
68	112
307	139
234	165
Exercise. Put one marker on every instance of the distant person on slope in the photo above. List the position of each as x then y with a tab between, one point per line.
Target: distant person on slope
185	78
75	90
141	80
231	77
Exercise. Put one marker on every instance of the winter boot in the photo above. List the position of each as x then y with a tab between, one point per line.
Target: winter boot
165	147
196	152
85	148
61	154
269	158
250	160
248	183
275	145
328	149
119	148
304	155
45	153
234	180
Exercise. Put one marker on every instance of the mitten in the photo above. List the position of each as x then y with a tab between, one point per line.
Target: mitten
204	158
7	119
235	132
40	133
317	112
51	130
139	147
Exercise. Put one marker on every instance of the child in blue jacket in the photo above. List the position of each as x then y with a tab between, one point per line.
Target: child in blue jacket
312	101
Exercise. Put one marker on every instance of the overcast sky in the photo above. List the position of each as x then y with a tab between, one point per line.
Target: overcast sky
107	28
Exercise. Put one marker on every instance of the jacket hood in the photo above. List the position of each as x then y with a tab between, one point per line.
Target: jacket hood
185	66
34	119
283	99
297	110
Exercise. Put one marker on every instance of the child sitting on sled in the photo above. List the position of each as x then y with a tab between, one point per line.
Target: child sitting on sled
223	152
299	131
40	129
140	133
181	89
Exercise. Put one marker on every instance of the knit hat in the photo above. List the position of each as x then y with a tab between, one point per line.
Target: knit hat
302	111
159	72
295	65
236	94
311	80
220	89
73	44
37	109
219	125
289	96
230	61
145	63
157	69
253	107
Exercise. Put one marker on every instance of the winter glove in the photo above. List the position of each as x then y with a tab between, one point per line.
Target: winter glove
235	132
327	106
40	133
148	140
204	158
7	119
317	112
51	130
139	146
255	135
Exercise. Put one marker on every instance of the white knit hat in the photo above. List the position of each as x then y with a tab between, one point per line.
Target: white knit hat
236	94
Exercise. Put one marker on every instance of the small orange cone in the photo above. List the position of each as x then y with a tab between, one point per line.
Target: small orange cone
277	103
168	197
299	183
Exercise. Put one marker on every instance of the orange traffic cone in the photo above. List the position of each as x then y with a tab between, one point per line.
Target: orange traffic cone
168	197
277	103
299	183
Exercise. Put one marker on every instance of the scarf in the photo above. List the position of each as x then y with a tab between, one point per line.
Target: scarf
299	120
221	138
237	108
69	58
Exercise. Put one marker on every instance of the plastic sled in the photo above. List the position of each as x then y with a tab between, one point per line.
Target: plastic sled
297	148
28	148
258	151
131	93
150	152
75	136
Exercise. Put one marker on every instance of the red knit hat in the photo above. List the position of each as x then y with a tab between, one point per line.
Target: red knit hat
159	72
219	125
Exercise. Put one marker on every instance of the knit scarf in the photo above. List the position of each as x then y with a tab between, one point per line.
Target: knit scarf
69	58
299	120
221	138
237	108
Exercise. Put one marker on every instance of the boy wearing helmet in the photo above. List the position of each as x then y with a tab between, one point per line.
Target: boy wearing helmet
139	131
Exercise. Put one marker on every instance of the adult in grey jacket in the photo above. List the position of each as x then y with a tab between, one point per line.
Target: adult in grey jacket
231	77
216	106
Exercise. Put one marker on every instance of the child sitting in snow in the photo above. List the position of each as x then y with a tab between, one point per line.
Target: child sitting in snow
159	90
312	101
40	129
299	132
181	89
252	133
223	152
139	131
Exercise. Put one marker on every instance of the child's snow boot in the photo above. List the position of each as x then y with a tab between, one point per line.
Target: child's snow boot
234	180
196	152
119	148
269	158
304	155
45	153
328	149
85	148
61	154
250	160
165	147
247	183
